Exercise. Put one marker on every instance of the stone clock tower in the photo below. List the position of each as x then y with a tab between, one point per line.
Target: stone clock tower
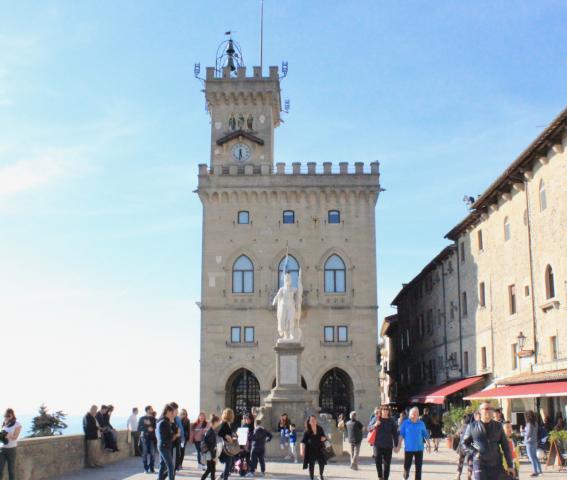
244	113
258	216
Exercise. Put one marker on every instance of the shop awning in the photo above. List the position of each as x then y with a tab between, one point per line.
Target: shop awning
527	390
438	394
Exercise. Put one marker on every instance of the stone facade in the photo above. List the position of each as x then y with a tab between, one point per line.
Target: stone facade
509	275
329	213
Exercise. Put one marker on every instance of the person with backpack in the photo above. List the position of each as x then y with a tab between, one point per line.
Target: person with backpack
208	447
260	437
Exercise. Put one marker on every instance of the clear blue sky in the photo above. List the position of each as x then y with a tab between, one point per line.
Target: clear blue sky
102	126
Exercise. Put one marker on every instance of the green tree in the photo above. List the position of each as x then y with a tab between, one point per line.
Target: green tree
46	424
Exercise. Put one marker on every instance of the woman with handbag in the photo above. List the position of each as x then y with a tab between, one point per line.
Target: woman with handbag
198	430
313	447
230	444
384	438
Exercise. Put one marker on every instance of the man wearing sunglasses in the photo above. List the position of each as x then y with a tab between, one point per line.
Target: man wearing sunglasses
485	439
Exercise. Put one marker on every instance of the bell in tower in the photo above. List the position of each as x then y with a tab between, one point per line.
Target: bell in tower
229	54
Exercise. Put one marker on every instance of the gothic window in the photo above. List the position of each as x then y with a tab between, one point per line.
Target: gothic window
243	275
334	216
288	217
243	217
507	232
336	393
549	282
542	197
290	265
243	393
335	275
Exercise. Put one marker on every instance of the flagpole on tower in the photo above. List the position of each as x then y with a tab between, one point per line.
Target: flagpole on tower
261	35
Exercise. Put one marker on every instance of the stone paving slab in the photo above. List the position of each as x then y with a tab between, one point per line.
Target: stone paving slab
438	466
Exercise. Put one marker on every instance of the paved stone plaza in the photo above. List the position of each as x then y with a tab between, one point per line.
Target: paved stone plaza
440	466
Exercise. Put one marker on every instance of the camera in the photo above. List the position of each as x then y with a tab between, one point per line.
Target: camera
4	437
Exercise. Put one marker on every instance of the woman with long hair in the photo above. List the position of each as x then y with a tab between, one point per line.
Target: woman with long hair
11	429
165	439
210	444
225	432
530	440
198	430
312	446
387	437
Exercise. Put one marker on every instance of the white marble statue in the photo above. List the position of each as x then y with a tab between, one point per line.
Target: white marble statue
288	301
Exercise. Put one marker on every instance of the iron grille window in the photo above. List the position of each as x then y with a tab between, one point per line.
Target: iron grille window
335	393
244	393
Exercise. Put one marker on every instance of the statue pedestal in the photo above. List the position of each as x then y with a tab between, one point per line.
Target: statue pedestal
288	396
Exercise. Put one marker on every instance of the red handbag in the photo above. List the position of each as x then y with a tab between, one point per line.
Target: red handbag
372	436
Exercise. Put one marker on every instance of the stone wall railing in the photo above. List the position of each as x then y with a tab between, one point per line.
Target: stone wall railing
296	168
46	457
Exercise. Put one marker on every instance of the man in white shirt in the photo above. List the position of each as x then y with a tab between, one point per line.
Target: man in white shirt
133	434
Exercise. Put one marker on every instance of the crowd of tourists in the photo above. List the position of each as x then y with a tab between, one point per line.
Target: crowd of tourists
485	443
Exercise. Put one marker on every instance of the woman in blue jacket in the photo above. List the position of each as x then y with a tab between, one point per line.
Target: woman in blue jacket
413	435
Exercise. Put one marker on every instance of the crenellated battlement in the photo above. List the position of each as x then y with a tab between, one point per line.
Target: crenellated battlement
226	74
296	168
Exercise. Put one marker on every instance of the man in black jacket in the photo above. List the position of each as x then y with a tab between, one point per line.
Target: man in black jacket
147	430
486	440
92	436
354	433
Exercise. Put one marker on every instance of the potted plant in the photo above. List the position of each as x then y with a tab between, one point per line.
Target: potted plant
452	419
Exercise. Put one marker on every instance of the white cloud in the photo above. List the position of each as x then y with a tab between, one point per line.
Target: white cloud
42	168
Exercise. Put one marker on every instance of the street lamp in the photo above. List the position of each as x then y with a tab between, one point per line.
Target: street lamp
521	341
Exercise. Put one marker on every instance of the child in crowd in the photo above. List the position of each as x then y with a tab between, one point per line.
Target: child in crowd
209	447
293	442
260	437
513	450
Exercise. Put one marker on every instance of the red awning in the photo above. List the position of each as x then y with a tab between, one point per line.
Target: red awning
437	395
527	390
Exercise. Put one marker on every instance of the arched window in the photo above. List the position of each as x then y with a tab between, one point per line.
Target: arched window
335	275
336	393
549	282
291	267
542	197
242	393
243	275
507	232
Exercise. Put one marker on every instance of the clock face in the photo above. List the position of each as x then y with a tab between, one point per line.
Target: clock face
240	152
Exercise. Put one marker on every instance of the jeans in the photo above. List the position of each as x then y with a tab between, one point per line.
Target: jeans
166	465
258	455
148	450
8	455
228	461
354	453
486	472
383	458
198	450
135	436
408	458
531	450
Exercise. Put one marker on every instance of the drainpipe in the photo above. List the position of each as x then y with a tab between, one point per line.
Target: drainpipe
532	293
444	318
460	308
